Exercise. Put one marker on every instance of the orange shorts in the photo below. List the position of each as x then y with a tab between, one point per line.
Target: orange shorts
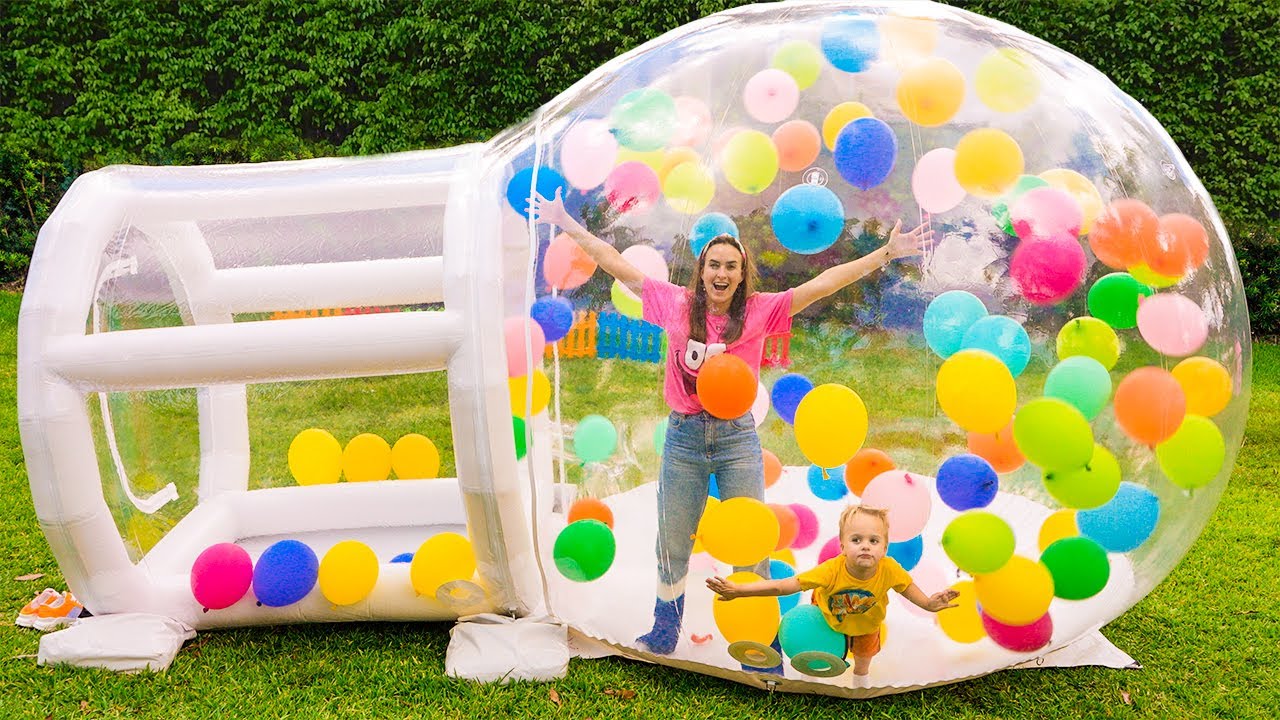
864	646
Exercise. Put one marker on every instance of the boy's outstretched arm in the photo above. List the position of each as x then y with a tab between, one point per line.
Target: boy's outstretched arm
901	244
729	590
932	603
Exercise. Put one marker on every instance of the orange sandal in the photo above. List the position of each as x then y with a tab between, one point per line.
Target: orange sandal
64	610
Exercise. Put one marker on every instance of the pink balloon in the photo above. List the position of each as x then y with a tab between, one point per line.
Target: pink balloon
1020	638
760	408
828	551
808	526
1046	212
1048	271
693	122
771	95
906	497
930	579
566	265
1172	324
648	261
632	187
221	575
934	181
588	152
514	330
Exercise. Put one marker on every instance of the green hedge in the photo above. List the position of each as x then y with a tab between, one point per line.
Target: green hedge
84	85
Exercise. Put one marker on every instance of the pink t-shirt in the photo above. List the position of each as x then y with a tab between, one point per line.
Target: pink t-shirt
667	306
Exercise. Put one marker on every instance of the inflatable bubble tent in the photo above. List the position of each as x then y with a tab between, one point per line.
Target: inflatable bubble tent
374	388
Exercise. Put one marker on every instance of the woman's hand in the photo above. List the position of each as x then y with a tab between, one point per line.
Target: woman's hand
913	242
725	589
550	211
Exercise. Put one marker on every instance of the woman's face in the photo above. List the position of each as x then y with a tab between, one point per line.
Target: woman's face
721	274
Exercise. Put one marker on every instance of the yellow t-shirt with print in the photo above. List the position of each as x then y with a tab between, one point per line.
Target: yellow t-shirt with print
852	606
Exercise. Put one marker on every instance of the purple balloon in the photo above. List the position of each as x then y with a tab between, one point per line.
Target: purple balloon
967	481
866	150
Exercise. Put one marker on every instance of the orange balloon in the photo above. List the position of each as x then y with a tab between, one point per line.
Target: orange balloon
1180	245
726	386
997	448
772	468
798	144
1121	232
1150	405
590	509
788	525
566	265
863	467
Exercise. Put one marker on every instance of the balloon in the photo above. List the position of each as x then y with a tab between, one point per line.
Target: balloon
966	482
827	484
997	448
1044	213
807	219
771	95
315	457
594	439
414	457
521	188
906	497
693	122
1172	324
674	158
348	572
1114	299
807	526
587	153
710	226
1048	271
660	436
554	315
654	159
799	59
523	339
1019	638
712	502
584	550
1061	524
772	468
625	301
442	558
749	161
1086	487
1123	229
1000	209
1082	382
1079	567
648	260
788	525
787	393
521	403
907	552
962	623
565	265
1053	434
830	549
830	425
367	457
933	181
726	386
838	117
1081	190
1147	276
988	162
1194	455
976	391
930	91
739	531
1125	522
713	488
850	44
632	187
780	570
978	541
908	39
1006	80
760	407
1178	246
221	575
1090	337
866	150
643	119
286	571
865	466
948	317
1003	337
689	187
805	629
589	508
1206	384
519	433
1019	593
798	144
1149	405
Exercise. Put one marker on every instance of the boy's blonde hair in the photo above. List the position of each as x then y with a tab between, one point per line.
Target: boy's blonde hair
852	510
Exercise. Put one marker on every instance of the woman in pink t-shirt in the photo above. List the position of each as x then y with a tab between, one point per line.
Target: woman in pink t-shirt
720	312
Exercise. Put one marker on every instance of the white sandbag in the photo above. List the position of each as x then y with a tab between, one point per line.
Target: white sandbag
496	648
124	642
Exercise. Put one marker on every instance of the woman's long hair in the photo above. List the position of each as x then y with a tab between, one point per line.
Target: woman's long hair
737	306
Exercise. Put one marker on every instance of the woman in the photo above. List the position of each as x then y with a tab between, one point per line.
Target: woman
719	312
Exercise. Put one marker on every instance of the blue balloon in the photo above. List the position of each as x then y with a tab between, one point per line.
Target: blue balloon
713	487
787	393
554	315
907	552
966	482
521	188
779	570
1003	337
850	44
830	488
1125	522
866	150
807	219
710	226
404	557
948	318
285	573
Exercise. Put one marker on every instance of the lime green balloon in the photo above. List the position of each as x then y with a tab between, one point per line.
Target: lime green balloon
1086	487
624	302
644	119
801	60
1000	210
584	550
1053	434
594	439
1079	567
1114	299
1089	336
1194	455
978	542
518	428
749	161
1081	381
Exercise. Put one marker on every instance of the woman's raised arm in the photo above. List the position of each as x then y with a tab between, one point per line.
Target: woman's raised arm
901	244
553	212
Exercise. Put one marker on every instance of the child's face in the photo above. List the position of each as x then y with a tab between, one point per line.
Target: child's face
863	541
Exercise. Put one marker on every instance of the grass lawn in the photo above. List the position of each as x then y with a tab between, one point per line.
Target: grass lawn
1208	637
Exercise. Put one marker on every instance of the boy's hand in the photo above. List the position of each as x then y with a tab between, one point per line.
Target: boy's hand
725	589
942	600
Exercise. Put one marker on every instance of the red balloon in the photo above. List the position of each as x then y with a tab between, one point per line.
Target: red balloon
1019	638
726	386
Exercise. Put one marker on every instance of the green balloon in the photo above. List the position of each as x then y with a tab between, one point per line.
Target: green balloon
1194	455
1079	567
595	439
801	60
660	437
1114	299
978	542
1000	210
1053	434
584	550
625	303
1082	382
643	120
518	427
1089	336
1086	487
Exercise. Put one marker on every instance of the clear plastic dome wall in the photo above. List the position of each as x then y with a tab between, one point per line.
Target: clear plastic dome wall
1053	392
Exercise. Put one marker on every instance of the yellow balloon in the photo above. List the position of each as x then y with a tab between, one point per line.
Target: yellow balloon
931	91
905	40
1018	593
415	457
367	457
801	60
977	391
785	555
751	619
988	162
749	161
675	157
697	538
830	425
1061	524
963	623
1006	80
841	115
1091	337
1206	384
442	558
315	457
519	387
1145	275
1077	186
689	187
739	531
652	158
348	572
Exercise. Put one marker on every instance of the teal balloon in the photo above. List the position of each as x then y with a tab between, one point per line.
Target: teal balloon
948	317
1053	434
1086	487
595	439
978	541
1125	522
1114	299
584	550
660	437
779	570
1000	210
1194	455
643	120
1082	382
1079	567
1003	337
804	629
